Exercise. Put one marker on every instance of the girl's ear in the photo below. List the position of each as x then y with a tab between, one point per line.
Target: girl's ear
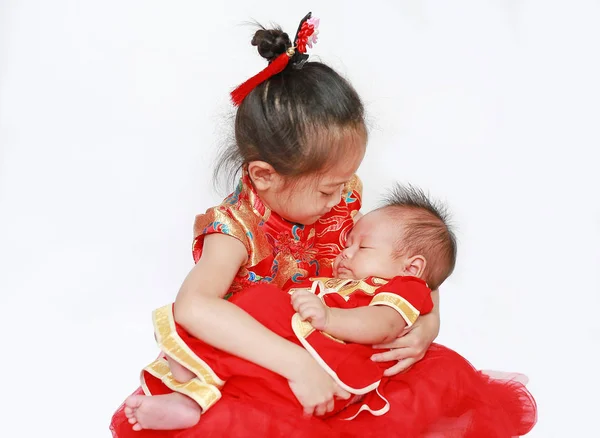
262	175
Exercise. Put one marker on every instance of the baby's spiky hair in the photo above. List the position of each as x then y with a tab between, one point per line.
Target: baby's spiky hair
425	231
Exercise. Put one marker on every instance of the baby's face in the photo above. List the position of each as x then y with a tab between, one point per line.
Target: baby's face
370	249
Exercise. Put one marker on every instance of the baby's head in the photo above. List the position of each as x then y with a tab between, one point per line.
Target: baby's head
409	235
301	134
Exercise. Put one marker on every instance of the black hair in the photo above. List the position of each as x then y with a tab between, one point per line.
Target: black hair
299	121
425	230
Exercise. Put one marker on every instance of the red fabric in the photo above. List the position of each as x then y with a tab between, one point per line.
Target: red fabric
441	394
350	362
412	289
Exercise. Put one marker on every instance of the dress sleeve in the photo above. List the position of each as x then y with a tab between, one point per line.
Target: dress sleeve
409	296
217	220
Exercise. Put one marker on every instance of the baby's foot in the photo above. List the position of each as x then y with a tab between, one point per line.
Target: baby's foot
161	412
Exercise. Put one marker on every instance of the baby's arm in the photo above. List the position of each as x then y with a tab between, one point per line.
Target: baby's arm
362	325
365	325
393	307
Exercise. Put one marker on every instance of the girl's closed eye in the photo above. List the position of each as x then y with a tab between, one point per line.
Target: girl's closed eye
327	194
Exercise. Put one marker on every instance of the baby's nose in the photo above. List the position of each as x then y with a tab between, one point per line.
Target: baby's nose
347	253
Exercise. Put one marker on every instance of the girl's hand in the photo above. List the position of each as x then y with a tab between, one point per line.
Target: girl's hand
315	390
411	345
311	308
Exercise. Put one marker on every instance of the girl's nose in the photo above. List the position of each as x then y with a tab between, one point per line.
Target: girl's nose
335	199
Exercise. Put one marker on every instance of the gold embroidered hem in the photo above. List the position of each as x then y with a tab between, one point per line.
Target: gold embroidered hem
173	346
399	304
346	287
204	394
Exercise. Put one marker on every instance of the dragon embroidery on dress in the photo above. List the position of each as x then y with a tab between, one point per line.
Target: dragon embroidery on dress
284	243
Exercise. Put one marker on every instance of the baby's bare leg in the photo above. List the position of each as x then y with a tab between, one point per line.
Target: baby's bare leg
180	373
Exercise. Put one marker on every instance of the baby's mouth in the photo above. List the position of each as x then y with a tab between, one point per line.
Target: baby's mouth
343	272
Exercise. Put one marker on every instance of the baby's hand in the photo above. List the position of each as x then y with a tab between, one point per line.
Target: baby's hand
310	308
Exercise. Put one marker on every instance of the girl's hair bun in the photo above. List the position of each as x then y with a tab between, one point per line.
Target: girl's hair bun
271	42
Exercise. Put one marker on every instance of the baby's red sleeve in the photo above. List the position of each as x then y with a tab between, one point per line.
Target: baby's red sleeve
409	296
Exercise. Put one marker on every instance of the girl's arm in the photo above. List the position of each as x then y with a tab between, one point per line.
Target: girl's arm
200	310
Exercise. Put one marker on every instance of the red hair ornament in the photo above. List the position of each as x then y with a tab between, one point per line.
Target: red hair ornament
305	37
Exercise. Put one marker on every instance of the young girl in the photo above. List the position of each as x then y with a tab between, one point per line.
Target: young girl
300	137
398	302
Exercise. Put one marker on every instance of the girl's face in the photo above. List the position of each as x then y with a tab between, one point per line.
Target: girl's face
307	199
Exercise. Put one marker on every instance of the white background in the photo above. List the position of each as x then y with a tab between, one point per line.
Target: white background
110	117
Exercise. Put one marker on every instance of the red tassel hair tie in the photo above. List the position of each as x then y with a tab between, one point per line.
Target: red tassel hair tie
305	36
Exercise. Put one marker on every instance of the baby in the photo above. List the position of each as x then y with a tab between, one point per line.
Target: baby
394	257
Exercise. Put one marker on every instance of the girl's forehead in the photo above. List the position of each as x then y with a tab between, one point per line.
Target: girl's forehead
344	165
341	172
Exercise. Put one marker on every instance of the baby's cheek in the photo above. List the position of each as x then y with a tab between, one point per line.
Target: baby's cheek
367	267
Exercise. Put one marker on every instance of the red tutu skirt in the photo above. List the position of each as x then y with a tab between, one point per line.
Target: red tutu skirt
440	396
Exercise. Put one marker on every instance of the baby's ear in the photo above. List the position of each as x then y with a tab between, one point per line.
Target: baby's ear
415	266
262	175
